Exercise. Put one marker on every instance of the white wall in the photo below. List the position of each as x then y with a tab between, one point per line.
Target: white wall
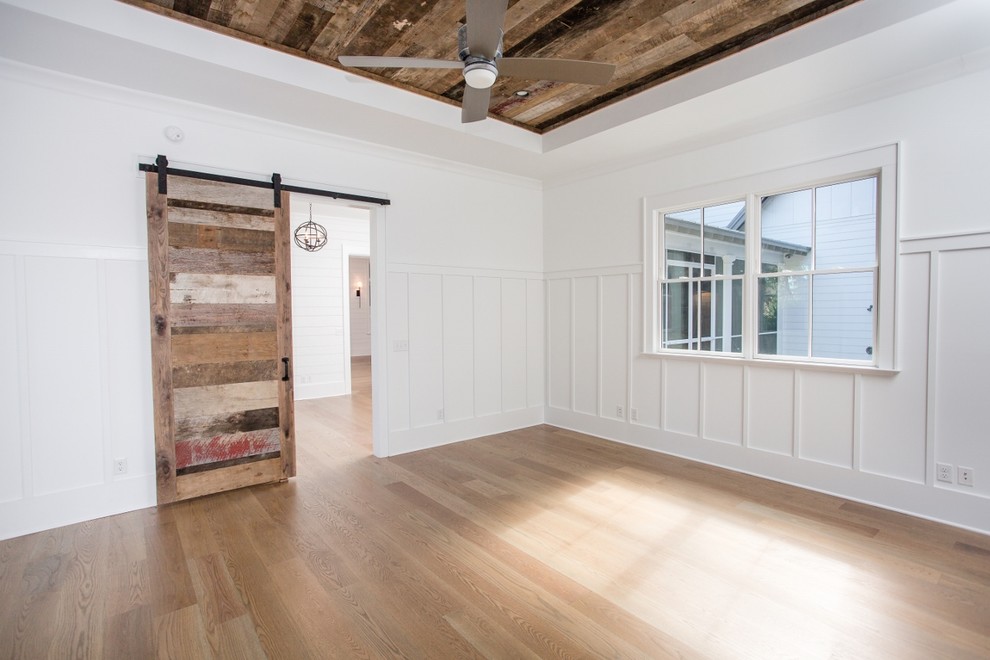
318	284
475	352
76	393
360	306
868	437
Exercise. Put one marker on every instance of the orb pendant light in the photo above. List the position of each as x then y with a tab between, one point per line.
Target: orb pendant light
310	236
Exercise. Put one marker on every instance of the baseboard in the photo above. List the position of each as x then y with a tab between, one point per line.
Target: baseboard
319	390
39	513
444	433
930	502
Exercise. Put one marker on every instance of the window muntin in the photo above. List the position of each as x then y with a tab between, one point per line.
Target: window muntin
829	313
814	295
701	285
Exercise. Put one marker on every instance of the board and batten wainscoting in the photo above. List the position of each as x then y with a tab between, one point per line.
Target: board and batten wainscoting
867	437
76	393
465	353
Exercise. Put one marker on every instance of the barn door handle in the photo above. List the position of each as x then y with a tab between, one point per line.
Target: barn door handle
285	364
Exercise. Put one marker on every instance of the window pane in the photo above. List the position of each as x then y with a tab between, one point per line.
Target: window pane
677	308
737	314
720	307
682	232
702	293
842	322
846	225
785	224
725	238
783	315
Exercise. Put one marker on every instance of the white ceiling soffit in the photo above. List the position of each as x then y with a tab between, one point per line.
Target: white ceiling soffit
863	50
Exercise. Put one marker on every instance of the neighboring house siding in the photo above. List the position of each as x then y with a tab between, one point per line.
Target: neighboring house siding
845	236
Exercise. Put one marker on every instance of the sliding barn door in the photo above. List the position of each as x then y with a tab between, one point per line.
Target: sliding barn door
218	258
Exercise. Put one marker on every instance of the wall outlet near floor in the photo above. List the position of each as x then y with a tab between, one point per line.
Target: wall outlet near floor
943	472
439	414
965	476
120	466
633	414
618	412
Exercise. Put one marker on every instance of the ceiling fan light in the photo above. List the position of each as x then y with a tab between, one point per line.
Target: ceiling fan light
480	75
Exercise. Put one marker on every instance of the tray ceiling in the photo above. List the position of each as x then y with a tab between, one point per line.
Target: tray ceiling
650	41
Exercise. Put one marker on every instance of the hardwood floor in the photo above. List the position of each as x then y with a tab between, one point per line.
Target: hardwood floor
535	543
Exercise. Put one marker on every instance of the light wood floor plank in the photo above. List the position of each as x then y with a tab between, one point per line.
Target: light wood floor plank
541	542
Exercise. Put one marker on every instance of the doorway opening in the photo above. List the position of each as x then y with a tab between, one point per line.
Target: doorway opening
334	323
359	304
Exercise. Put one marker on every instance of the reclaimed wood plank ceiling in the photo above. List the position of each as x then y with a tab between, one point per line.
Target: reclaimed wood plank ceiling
649	41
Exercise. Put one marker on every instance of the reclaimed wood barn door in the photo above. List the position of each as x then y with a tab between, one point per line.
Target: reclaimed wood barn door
218	260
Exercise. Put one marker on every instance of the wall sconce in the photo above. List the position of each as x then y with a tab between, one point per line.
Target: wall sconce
357	292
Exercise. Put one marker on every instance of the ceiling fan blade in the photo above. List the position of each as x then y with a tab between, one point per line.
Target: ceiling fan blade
484	26
474	105
375	62
541	68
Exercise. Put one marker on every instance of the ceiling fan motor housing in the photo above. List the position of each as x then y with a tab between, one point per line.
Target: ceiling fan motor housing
480	71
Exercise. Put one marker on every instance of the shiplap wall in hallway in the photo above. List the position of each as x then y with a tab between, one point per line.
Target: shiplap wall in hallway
318	285
467	351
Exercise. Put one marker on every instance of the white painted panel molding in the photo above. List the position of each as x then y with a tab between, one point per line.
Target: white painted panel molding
615	346
681	403
962	416
487	346
475	328
723	403
586	356
458	347
825	427
644	399
513	344
129	367
425	350
770	410
559	324
535	342
11	471
895	445
65	377
397	323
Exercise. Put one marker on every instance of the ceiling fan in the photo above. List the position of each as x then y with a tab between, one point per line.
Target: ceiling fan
480	50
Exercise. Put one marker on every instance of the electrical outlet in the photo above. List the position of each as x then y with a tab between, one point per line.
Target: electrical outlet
943	472
965	476
440	414
400	345
618	412
120	466
633	414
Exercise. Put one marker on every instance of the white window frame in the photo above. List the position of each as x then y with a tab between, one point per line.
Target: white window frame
880	162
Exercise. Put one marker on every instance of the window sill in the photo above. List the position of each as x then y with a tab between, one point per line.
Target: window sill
864	369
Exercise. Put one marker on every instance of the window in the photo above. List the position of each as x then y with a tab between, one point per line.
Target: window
817	285
702	283
822	239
